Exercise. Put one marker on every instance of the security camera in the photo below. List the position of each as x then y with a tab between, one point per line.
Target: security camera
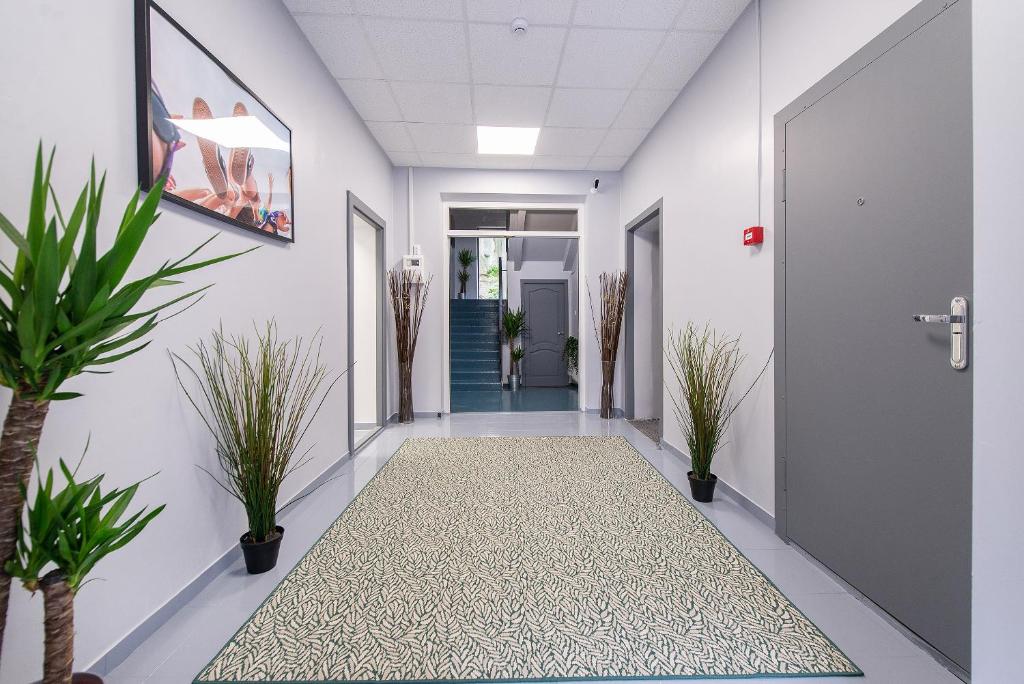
594	190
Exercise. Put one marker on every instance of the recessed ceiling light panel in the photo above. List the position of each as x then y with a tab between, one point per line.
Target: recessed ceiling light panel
506	140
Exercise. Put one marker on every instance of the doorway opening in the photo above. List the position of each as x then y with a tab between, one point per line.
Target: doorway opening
513	323
644	354
367	375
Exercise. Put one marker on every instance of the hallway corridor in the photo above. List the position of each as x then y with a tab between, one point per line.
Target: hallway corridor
190	639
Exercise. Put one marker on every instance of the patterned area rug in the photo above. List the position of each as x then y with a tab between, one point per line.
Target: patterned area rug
533	558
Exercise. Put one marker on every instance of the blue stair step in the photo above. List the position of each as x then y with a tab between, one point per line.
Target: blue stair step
462	376
477	386
475	350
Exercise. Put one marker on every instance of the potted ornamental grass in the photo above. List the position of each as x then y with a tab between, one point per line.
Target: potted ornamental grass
513	322
64	534
704	363
258	399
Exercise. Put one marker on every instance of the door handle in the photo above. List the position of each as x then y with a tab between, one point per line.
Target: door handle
958	330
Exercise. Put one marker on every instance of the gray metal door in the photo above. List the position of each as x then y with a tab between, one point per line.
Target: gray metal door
546	305
876	463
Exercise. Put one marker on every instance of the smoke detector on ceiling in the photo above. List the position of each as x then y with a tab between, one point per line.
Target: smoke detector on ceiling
519	26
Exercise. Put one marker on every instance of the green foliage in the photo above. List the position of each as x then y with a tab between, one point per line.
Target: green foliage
514	323
466	258
74	528
517	354
257	401
65	307
571	352
463	278
704	364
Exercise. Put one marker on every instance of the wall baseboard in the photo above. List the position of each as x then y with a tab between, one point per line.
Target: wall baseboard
616	412
745	503
116	654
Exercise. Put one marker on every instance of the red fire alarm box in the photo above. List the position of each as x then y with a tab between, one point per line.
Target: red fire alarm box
753	235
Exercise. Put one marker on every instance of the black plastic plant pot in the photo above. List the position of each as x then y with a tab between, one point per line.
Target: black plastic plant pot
261	556
702	490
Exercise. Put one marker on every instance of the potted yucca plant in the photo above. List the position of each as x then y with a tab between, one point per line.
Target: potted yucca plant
257	400
64	535
514	324
66	308
704	363
466	259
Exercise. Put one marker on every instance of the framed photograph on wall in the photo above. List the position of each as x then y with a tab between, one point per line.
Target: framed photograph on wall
224	153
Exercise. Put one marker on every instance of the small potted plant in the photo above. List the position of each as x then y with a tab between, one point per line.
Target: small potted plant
514	324
571	352
62	538
704	364
257	401
515	356
466	259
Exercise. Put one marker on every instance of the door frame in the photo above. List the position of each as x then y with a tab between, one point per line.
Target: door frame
447	233
354	206
655	211
905	26
568	315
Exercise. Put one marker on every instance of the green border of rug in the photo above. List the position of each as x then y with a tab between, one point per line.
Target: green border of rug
528	680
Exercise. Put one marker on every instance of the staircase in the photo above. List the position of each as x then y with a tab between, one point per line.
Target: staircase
475	352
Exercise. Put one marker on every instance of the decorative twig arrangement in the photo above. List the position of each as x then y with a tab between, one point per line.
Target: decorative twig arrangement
408	292
613	305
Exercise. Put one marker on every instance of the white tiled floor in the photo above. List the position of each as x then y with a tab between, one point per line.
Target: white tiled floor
176	652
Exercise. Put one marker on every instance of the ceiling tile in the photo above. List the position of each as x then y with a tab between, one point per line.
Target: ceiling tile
644	108
710	15
680	56
411	9
433	102
341	44
569	141
607	163
323	6
392	136
606	58
582	108
648	14
534	11
510	105
500	58
621	141
455	161
372	99
505	161
561	163
419	50
405	158
455	139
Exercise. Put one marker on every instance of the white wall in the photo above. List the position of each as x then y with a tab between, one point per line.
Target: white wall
998	537
603	252
702	159
364	319
68	78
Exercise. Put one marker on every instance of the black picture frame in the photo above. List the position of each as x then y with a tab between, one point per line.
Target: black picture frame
144	120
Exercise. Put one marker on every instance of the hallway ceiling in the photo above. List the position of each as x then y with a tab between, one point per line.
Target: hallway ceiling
595	75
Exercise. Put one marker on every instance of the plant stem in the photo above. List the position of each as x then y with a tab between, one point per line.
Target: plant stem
22	428
59	628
